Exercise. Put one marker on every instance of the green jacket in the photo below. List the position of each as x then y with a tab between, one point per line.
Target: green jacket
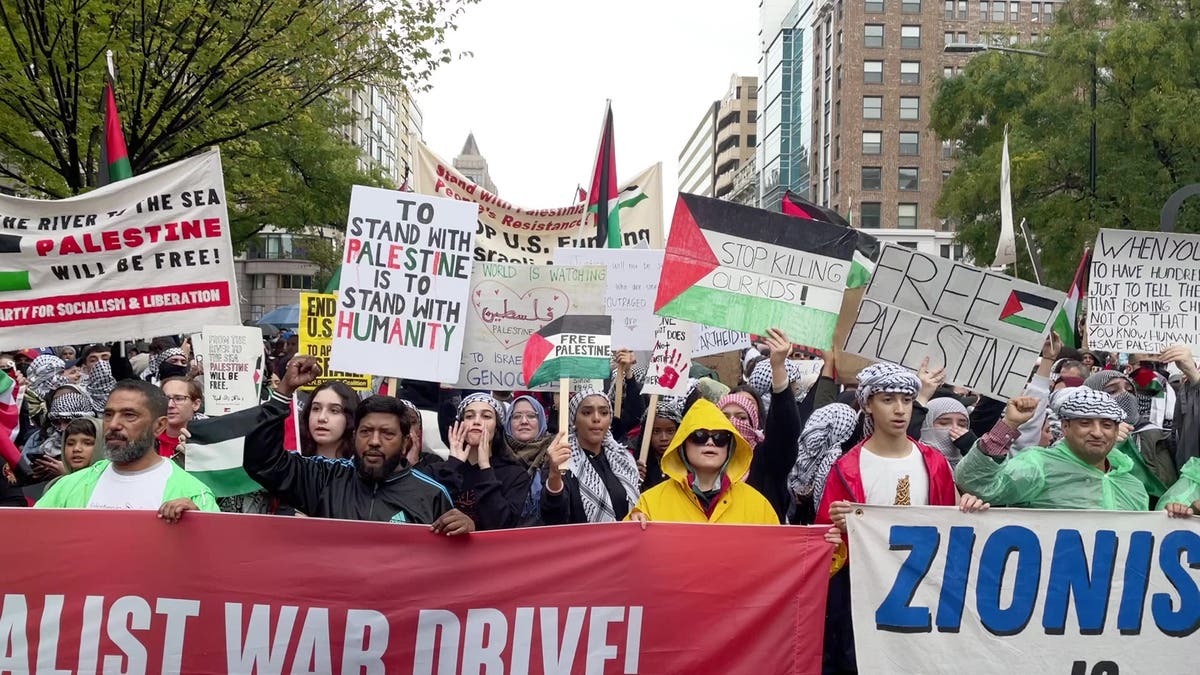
1186	490
1051	478
74	490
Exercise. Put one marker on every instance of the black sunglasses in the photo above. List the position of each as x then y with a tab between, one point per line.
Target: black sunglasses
721	439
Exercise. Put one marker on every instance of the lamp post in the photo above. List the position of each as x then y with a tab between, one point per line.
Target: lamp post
975	48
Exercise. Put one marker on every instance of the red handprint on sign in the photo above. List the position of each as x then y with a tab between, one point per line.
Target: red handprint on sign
670	371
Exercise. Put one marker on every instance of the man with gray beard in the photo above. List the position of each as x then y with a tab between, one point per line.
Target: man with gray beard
133	476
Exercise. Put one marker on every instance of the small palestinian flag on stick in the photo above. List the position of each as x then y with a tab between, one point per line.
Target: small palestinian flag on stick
572	346
1028	311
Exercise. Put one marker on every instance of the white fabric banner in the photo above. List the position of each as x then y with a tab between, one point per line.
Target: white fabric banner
149	255
1024	591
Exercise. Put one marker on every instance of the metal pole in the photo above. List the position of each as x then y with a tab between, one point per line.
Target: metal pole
1092	140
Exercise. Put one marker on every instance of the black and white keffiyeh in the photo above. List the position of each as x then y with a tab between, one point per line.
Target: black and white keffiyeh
100	383
820	446
41	372
480	397
597	503
71	403
883	378
1088	404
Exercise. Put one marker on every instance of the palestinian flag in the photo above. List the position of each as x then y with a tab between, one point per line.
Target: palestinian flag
604	199
573	346
10	419
1028	311
1067	321
114	157
214	452
749	270
866	252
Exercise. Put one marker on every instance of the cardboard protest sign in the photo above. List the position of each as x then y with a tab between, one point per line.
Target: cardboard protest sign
405	276
750	270
318	311
572	346
1144	291
509	303
671	360
508	233
632	284
1023	591
149	255
985	328
711	340
232	358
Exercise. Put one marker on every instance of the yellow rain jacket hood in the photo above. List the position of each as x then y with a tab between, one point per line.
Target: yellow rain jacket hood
674	500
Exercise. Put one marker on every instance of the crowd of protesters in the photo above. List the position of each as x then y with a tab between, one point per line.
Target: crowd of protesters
108	426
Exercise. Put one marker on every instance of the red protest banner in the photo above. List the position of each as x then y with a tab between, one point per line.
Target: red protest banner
217	593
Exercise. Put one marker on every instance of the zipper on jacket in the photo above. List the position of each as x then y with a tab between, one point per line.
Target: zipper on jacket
374	491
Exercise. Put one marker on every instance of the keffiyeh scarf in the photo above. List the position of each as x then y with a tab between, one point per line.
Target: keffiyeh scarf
1084	403
748	429
100	384
597	503
820	446
41	371
883	378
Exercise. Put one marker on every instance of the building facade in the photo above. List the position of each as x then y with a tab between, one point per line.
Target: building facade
874	73
698	159
473	165
784	99
722	144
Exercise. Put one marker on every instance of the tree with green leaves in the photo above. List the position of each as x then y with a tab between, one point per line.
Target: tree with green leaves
263	79
1145	58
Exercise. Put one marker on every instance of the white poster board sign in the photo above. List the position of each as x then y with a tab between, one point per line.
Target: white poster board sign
406	273
232	358
711	340
671	360
1144	291
632	285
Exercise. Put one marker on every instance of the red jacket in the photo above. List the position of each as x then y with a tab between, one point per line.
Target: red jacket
845	480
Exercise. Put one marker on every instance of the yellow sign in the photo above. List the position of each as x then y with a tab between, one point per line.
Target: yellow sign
318	311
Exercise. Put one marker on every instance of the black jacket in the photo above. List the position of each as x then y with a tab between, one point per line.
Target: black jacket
775	456
333	489
494	498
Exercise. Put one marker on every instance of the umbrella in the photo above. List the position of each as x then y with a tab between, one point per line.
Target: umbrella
287	316
270	332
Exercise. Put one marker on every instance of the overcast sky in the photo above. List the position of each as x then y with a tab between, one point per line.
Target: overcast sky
534	90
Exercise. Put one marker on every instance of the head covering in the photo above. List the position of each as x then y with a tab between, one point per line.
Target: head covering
100	383
479	397
883	378
706	415
41	370
597	503
1084	403
820	446
537	409
70	404
669	408
748	430
408	404
98	451
761	378
1100	379
940	438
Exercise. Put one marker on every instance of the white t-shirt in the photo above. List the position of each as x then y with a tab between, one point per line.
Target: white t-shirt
889	481
140	490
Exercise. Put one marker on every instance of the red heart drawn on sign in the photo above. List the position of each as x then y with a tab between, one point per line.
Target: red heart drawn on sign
519	314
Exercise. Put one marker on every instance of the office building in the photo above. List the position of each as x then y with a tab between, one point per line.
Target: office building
784	100
722	143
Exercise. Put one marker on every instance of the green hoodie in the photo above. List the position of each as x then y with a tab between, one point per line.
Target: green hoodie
1186	490
1051	478
74	491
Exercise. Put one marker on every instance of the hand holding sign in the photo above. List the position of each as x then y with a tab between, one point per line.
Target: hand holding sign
780	348
1181	356
558	457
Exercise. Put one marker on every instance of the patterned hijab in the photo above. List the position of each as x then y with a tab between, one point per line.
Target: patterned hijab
748	430
820	446
597	503
41	371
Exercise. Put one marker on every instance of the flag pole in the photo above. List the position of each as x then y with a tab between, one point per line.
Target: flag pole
564	423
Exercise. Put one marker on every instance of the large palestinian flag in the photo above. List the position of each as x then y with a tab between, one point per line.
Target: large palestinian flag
214	451
867	250
748	269
573	346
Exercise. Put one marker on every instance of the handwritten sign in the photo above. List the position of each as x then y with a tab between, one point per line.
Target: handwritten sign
1144	291
671	360
318	311
985	328
632	284
233	367
508	303
711	340
406	272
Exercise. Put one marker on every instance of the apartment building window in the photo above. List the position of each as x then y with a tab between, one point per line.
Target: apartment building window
872	178
872	142
910	179
870	214
947	72
1047	12
998	9
910	37
1014	11
837	146
839	48
874	6
910	107
949	8
945	176
983	11
906	216
910	6
873	35
1035	9
839	78
910	72
256	312
949	37
947	149
302	282
953	252
962	10
258	282
837	114
873	72
839	10
872	107
910	143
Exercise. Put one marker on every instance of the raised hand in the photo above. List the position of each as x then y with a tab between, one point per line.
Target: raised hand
458	441
1019	410
301	371
930	379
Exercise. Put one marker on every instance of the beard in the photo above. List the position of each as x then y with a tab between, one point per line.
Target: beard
133	450
378	474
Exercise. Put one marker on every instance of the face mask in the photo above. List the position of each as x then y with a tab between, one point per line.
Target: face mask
171	370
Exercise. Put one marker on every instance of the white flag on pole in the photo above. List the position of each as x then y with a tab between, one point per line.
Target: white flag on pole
1006	248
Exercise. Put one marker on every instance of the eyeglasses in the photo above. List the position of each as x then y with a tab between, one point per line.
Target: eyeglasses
529	417
179	399
721	439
